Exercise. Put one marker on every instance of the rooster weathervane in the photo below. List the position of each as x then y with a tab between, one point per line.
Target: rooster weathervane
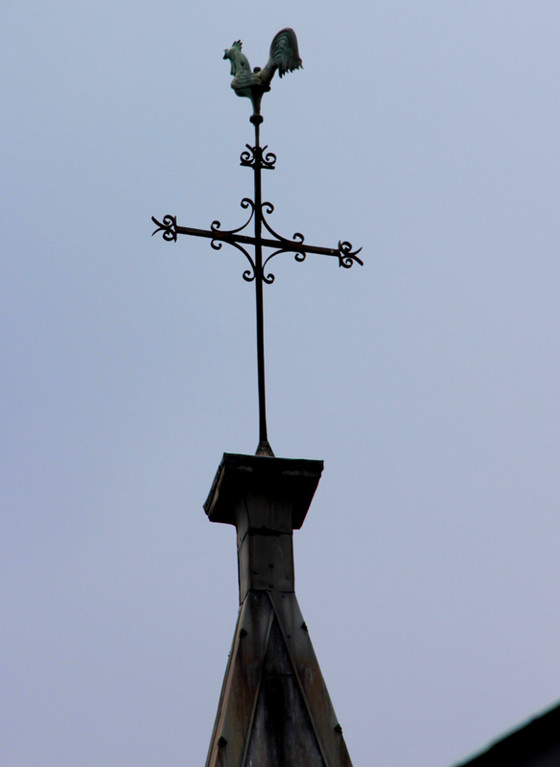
284	57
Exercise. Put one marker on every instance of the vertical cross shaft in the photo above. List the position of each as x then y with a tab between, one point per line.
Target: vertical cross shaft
264	446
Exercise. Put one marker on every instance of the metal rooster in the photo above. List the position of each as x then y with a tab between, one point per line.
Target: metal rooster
284	57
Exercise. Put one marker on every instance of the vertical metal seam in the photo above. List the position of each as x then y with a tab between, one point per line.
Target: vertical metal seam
300	685
258	690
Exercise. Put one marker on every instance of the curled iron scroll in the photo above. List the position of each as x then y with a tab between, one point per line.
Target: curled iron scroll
257	157
245	203
346	256
297	237
168	226
248	274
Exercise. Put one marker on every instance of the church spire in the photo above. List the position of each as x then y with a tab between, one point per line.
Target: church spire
274	709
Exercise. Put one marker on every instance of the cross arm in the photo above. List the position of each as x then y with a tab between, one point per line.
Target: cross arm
170	230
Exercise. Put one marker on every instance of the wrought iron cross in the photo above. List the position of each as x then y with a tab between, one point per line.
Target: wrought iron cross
283	56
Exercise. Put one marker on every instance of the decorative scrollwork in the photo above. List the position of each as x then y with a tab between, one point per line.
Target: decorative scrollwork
297	237
168	226
267	259
268	160
346	256
299	256
248	274
256	156
247	158
245	203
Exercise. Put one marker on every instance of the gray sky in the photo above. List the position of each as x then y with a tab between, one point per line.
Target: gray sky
428	567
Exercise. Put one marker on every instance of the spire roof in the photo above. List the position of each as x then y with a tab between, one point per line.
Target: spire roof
274	709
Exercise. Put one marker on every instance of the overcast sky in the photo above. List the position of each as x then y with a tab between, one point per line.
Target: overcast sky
428	568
